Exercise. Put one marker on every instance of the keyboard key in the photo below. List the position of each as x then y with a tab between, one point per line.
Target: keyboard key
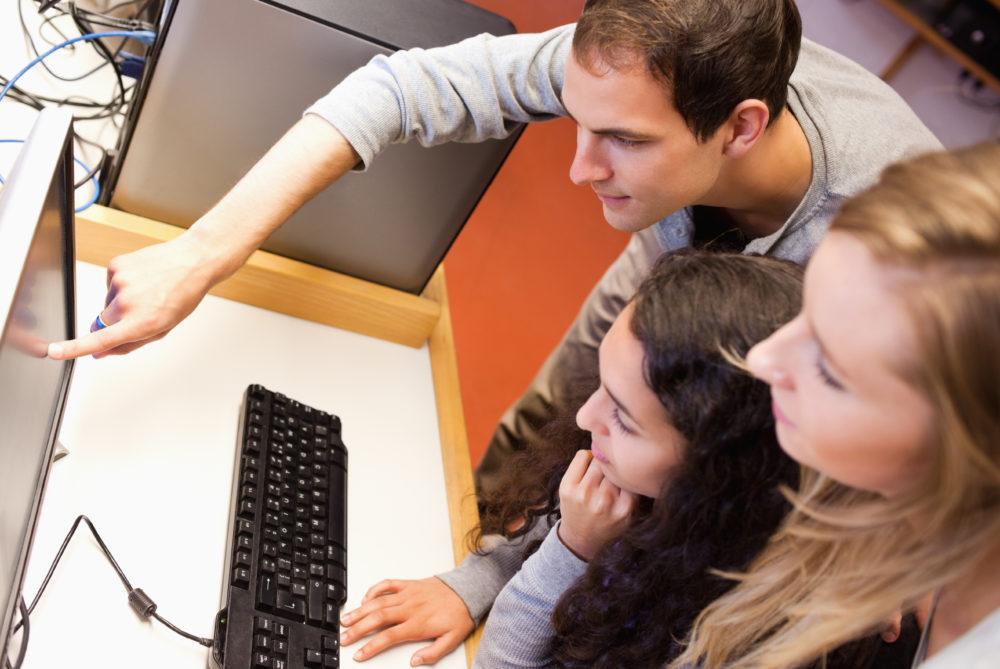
241	577
247	510
331	616
291	606
331	644
313	657
262	661
298	589
336	593
331	661
267	590
262	642
265	625
316	602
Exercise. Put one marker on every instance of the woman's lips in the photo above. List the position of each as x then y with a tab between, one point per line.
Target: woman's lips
779	415
599	454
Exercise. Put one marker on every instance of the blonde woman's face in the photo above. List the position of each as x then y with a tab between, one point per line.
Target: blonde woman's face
840	404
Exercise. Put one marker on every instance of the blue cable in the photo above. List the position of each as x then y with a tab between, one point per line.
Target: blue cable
83	166
145	36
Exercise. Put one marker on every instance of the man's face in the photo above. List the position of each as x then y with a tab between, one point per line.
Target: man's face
633	147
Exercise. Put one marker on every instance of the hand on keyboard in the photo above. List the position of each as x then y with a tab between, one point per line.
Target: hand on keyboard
402	611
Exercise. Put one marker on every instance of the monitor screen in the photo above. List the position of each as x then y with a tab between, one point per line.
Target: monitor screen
36	307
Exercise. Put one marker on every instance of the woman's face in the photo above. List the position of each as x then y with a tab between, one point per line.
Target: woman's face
841	405
631	437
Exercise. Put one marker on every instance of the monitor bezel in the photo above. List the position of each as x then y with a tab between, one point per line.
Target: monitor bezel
47	151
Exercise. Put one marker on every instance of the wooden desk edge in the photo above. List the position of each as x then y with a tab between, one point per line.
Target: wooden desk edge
274	282
459	485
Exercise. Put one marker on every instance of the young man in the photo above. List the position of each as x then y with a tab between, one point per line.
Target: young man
700	122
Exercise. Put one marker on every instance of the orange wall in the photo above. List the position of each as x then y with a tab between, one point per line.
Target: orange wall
527	258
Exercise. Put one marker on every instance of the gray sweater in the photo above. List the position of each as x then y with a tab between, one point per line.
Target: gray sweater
482	87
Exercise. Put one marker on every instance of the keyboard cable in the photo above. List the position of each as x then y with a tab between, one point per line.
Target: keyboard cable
140	602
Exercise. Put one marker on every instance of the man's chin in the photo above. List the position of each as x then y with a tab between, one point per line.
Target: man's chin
626	222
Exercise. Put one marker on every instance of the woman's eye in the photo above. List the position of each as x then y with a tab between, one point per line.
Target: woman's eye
827	377
618	422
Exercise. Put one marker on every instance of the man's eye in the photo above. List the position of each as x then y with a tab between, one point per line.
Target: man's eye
624	141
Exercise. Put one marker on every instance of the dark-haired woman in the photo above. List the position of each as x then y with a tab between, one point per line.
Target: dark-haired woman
681	480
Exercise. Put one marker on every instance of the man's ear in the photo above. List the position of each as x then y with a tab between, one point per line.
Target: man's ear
745	127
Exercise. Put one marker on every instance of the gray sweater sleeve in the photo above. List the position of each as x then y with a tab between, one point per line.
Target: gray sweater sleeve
480	578
477	89
519	631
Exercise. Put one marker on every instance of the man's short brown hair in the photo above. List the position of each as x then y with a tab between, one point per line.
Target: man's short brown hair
710	54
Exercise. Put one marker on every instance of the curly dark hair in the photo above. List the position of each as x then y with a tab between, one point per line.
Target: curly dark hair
641	593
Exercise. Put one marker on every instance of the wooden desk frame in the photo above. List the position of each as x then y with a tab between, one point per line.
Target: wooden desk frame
304	291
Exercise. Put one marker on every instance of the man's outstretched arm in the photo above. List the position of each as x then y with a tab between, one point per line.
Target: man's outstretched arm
151	290
471	91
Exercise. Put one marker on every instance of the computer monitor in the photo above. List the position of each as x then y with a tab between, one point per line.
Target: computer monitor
36	307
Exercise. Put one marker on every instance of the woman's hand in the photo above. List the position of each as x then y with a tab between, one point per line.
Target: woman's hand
594	510
402	611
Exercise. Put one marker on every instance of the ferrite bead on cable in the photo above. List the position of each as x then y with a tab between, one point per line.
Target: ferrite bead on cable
141	603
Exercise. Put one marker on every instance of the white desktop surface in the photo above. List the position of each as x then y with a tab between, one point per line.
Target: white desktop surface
152	445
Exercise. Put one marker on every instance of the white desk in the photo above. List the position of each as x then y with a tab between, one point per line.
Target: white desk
152	438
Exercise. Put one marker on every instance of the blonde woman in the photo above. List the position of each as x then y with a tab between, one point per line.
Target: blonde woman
887	385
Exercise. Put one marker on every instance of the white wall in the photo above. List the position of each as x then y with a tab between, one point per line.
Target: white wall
868	33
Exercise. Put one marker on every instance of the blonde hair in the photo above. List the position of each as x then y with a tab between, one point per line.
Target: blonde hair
845	560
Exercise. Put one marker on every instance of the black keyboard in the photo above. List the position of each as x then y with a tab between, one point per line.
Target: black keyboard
286	561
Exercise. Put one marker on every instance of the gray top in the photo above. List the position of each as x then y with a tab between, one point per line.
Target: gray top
480	578
482	87
519	630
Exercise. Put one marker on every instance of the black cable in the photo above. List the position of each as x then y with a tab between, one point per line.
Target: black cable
34	49
138	600
101	48
48	21
24	638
